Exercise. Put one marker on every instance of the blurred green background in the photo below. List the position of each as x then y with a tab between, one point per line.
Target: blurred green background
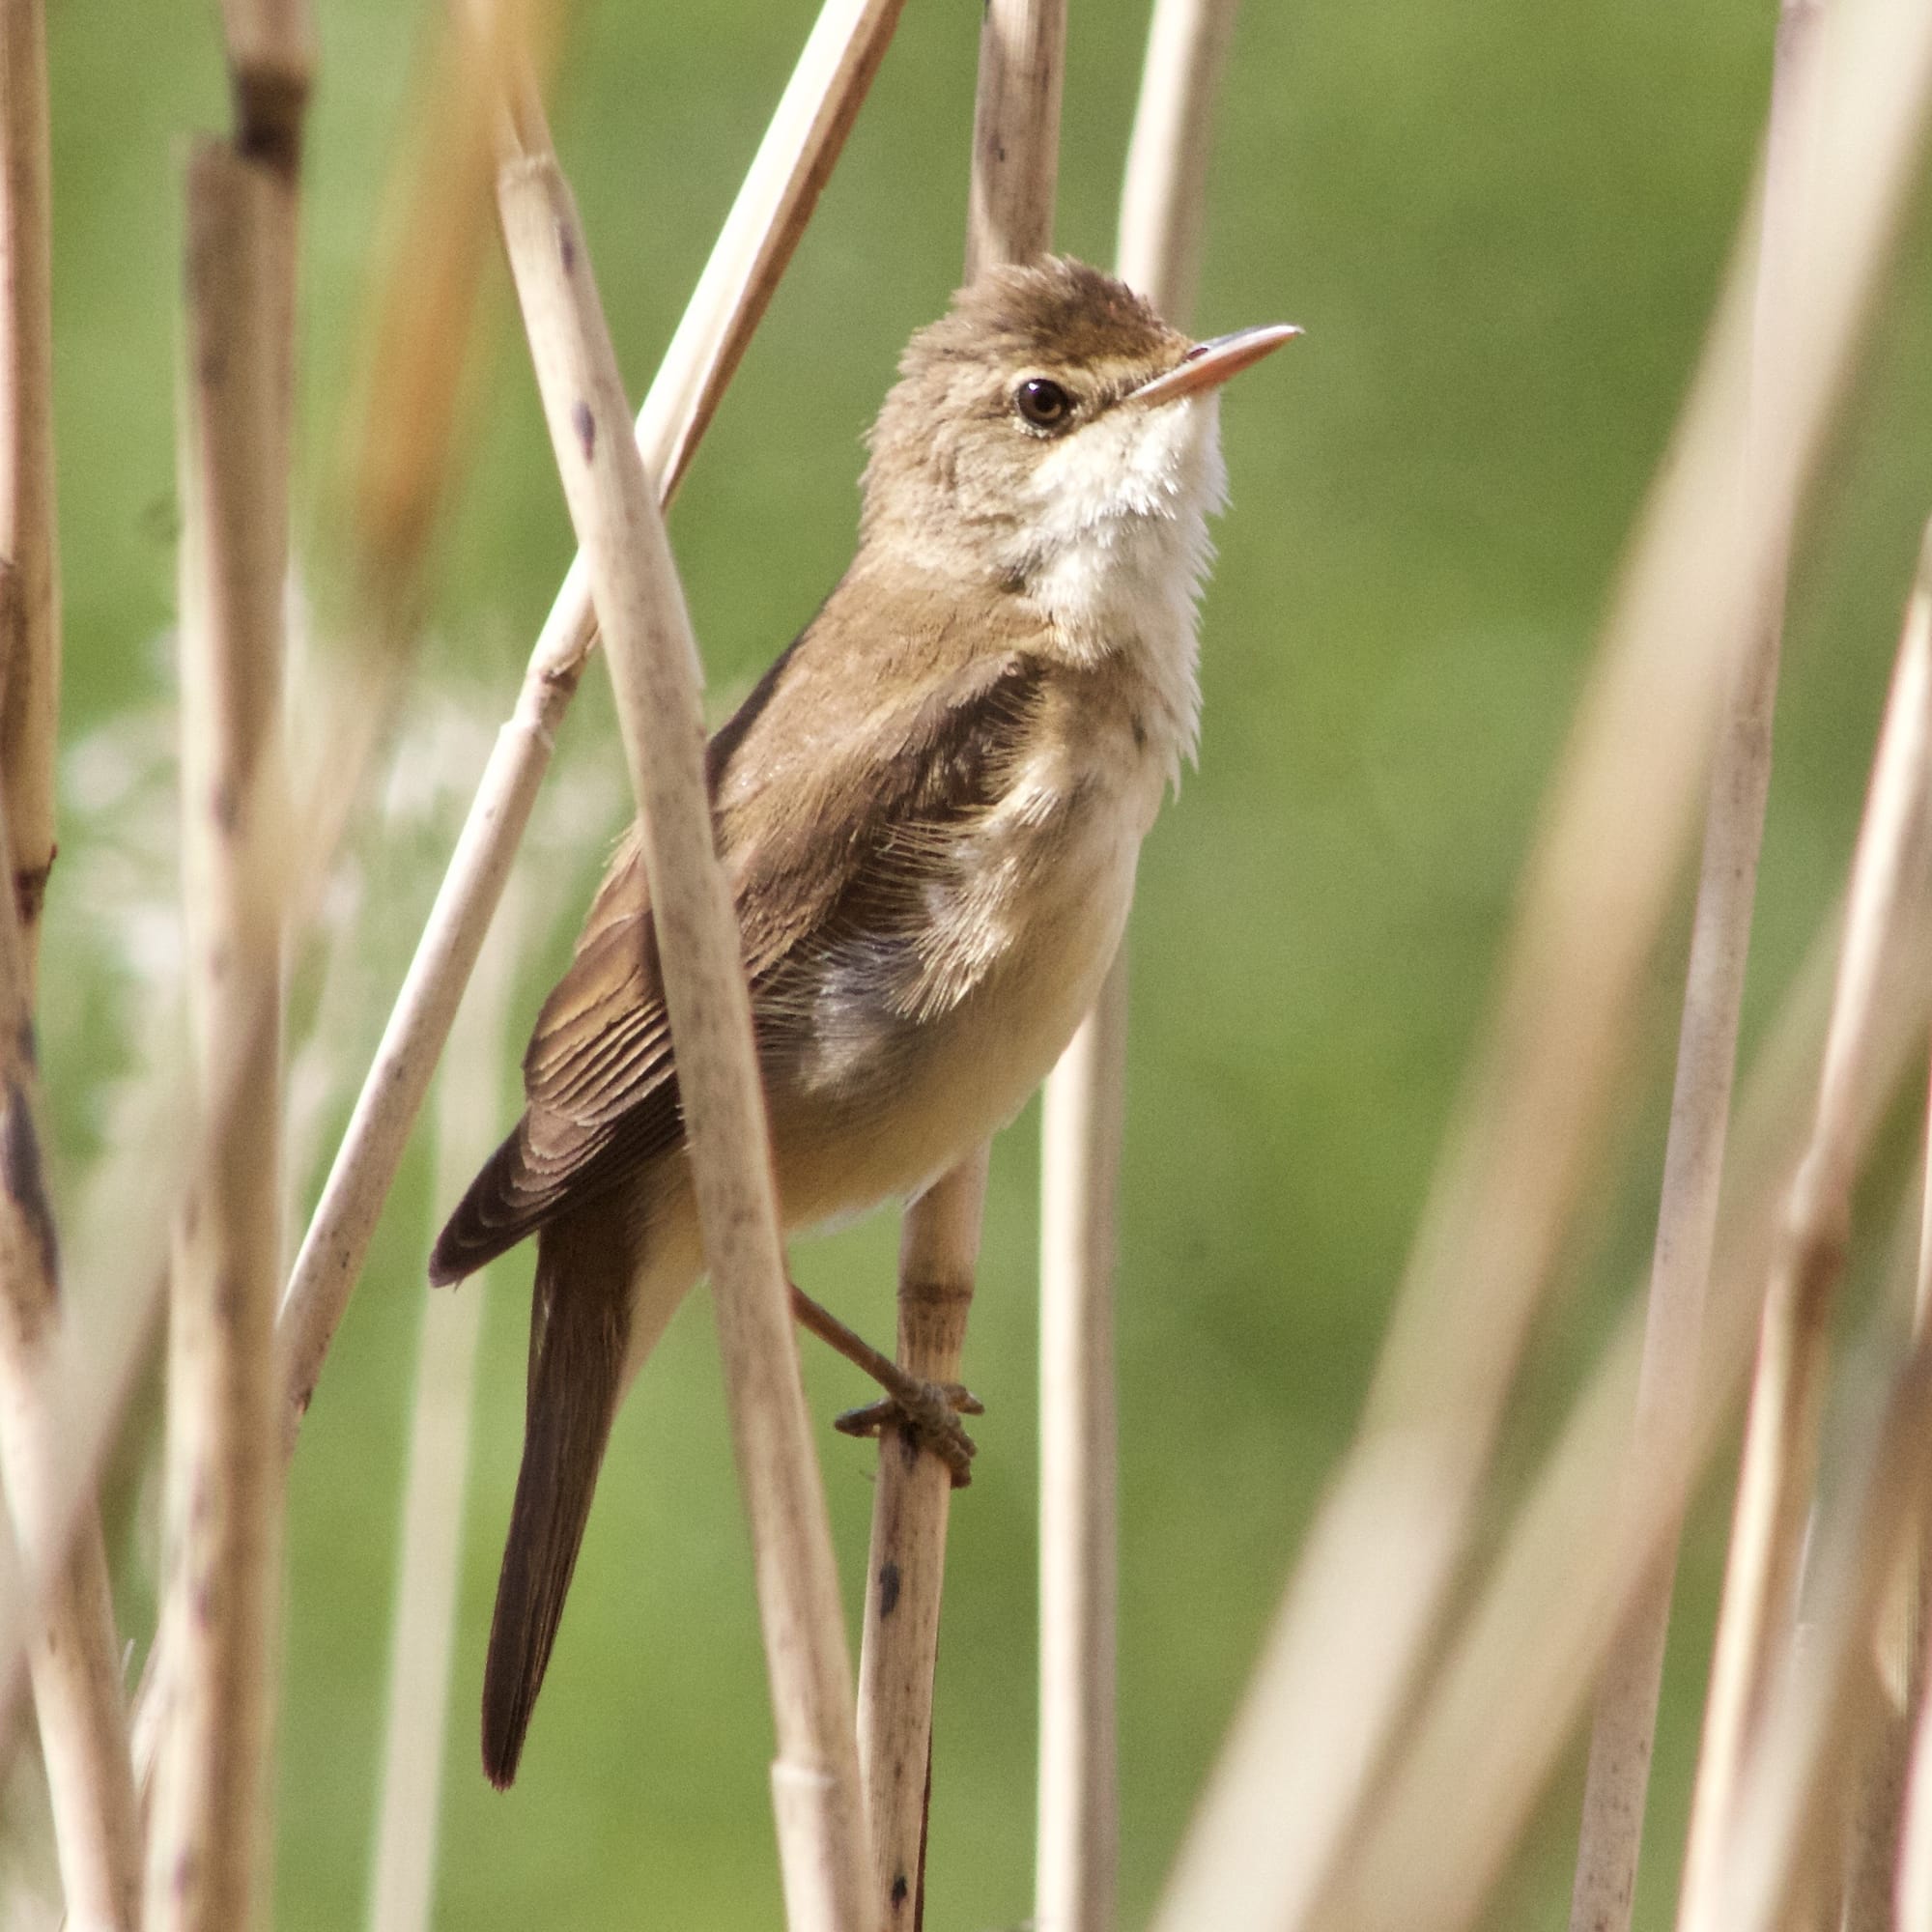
1501	225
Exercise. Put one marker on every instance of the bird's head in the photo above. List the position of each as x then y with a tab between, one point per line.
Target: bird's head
1049	414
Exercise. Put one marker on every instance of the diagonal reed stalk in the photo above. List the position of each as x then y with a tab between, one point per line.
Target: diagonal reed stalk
1163	210
409	1799
75	1659
1617	1781
207	1850
791	166
823	1846
1333	1680
1008	218
1775	1489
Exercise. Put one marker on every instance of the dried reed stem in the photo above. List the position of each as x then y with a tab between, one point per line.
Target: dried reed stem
74	1657
939	1246
1912	1880
769	215
822	1835
1332	1681
1520	1670
206	1851
1074	1864
29	575
1782	1432
1784	1837
76	1654
1016	133
1163	205
402	1884
1611	1837
1008	218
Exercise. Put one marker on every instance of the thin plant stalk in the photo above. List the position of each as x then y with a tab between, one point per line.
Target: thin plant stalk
1775	1489
30	649
792	164
939	1247
1014	177
78	1688
1502	1705
1911	1898
402	1884
1016	133
1782	1847
78	1695
824	1854
1163	211
1333	1681
1617	1780
208	1846
1076	1860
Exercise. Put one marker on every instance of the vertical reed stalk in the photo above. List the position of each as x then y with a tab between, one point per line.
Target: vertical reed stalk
1912	1897
1287	1798
1782	1432
1610	1841
822	1833
939	1246
1163	208
402	1885
1008	218
76	1654
791	166
208	1862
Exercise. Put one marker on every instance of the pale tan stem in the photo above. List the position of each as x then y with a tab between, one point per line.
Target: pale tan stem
1333	1684
1016	133
939	1247
207	1864
1501	1706
1163	208
766	220
30	645
74	1658
823	1846
78	1695
1783	1842
1794	1349
1009	219
403	1883
1075	1863
1617	1782
1912	1892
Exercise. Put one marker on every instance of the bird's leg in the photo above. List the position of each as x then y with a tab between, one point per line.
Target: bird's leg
929	1410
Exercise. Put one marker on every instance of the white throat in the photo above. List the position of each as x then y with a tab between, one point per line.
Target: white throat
1119	549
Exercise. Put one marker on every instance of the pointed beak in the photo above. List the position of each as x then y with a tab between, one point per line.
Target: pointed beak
1211	363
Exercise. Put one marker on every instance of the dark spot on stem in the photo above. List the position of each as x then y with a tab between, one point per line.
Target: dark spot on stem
227	808
586	425
566	246
888	1590
900	1890
25	1175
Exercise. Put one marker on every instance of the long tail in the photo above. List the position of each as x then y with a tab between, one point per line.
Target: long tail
580	1326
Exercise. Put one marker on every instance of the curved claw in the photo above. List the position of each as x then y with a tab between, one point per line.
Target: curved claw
930	1413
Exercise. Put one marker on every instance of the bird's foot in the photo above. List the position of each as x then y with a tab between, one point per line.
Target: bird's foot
929	1413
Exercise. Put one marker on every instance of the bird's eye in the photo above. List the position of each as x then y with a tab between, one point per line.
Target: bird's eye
1044	404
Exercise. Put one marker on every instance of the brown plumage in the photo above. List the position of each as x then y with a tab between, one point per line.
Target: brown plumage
929	811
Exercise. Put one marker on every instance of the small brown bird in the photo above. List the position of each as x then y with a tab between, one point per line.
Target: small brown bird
929	810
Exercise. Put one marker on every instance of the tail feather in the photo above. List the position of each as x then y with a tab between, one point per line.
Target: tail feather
580	1324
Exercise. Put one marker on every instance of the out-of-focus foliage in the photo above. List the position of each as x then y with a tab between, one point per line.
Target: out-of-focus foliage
1501	225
